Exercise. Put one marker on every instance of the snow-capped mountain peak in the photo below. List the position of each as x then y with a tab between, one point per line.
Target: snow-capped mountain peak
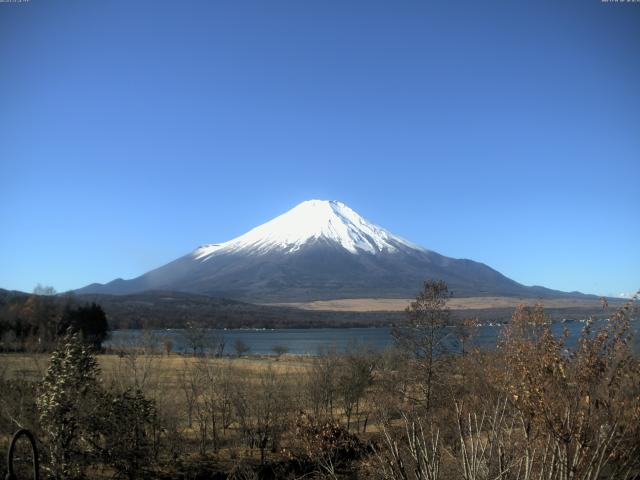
310	221
319	250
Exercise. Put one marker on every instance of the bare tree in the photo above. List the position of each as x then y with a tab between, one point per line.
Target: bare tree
423	332
215	343
414	456
135	368
393	382
280	350
195	337
322	383
240	347
354	378
262	409
225	395
189	385
44	290
167	345
464	332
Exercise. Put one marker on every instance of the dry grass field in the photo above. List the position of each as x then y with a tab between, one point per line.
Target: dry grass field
163	370
169	381
470	303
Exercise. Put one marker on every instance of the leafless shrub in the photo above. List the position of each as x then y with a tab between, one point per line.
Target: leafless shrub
280	350
324	444
241	347
415	456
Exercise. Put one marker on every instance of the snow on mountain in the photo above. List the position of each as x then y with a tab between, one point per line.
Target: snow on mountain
310	221
319	250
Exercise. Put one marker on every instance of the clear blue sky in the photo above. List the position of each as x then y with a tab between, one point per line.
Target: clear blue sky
507	132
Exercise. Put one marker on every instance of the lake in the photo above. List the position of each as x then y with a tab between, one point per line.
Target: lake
311	341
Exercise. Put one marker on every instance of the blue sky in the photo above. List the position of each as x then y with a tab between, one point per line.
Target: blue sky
506	132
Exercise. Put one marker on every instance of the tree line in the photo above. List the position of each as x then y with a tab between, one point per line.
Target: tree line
36	322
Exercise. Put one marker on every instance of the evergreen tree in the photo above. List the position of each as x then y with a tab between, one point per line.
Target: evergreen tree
69	396
127	424
89	320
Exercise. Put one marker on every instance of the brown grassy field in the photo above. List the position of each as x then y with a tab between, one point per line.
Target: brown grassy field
163	369
470	303
164	379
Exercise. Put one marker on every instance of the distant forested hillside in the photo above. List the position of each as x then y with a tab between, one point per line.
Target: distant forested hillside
175	309
28	314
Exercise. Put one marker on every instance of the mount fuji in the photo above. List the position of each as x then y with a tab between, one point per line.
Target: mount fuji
319	250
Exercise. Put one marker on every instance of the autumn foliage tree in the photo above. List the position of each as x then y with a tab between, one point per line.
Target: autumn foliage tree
580	405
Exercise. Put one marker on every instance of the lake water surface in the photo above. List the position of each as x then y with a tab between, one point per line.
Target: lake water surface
312	340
